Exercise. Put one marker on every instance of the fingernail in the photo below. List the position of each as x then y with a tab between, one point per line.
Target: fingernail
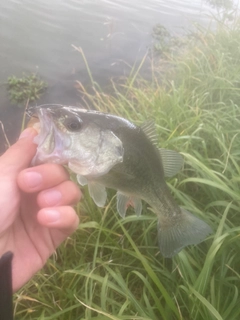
51	215
32	179
27	133
52	197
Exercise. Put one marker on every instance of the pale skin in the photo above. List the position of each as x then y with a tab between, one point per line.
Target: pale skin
36	213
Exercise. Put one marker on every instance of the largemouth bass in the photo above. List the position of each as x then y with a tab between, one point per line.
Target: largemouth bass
108	151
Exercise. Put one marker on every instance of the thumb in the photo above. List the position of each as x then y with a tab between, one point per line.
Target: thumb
20	154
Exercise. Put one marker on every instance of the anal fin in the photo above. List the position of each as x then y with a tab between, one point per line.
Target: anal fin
124	201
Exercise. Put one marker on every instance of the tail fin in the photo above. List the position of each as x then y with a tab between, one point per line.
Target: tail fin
6	306
173	236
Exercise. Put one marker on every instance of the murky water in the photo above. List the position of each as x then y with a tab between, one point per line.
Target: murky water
37	36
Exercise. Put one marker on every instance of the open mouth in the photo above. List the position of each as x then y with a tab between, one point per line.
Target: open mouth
49	140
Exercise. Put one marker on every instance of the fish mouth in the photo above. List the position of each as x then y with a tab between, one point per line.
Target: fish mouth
49	139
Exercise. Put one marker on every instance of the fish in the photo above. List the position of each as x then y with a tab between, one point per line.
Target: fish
108	151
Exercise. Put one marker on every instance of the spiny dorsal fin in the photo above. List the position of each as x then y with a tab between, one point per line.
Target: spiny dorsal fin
172	162
149	129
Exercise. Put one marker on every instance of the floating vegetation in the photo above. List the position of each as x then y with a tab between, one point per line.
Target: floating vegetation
164	42
24	89
162	38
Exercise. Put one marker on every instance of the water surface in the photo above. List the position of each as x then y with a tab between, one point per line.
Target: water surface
37	36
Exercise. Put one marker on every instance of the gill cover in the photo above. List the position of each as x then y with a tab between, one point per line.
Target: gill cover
88	149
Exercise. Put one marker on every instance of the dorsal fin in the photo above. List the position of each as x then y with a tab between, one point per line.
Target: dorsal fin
172	162
149	129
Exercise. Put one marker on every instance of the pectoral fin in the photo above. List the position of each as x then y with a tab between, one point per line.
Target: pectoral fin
124	201
98	193
82	180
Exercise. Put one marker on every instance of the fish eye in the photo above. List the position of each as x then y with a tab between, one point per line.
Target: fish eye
73	124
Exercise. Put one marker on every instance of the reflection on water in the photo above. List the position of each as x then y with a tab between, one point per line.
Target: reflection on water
37	36
223	4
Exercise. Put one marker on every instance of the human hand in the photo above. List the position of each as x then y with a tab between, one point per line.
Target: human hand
35	208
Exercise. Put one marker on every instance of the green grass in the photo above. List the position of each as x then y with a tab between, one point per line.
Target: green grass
111	268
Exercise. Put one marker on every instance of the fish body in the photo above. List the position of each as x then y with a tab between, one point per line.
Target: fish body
109	151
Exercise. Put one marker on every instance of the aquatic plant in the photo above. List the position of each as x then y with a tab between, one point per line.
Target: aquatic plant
111	268
27	88
162	38
164	43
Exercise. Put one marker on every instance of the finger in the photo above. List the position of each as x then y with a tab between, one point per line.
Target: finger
41	177
20	154
63	218
66	193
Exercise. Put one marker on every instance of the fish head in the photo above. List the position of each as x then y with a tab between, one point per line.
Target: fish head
72	136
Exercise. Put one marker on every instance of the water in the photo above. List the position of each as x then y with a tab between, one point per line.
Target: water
37	36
